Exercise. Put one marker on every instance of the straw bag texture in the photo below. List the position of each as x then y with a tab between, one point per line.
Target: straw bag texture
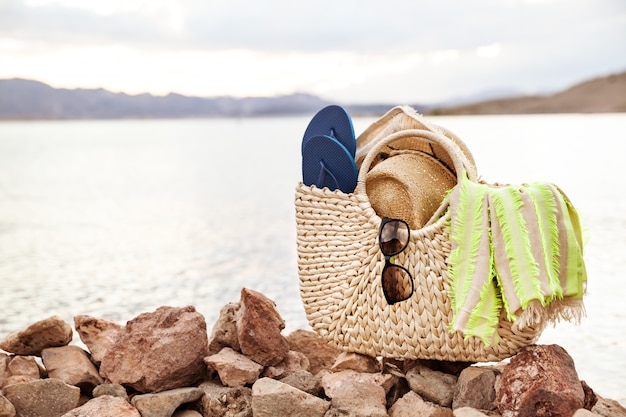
340	266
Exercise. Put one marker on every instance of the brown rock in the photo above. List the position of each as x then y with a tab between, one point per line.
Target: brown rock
258	329
320	354
225	401
159	351
114	390
272	398
434	386
590	397
233	368
356	362
6	408
224	332
104	406
584	413
359	399
186	413
42	398
71	365
21	369
411	405
469	412
608	408
539	381
305	381
475	388
293	362
332	381
50	332
163	404
4	369
97	334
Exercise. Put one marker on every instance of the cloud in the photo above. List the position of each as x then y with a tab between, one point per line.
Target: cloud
363	50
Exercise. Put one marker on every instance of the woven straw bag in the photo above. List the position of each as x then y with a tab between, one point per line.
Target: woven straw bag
340	266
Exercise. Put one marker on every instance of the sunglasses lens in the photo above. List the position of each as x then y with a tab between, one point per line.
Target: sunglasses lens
394	237
397	283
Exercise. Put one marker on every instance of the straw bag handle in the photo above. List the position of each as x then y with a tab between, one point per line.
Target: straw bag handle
461	164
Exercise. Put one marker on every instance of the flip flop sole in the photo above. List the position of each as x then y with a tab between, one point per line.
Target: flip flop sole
333	121
327	163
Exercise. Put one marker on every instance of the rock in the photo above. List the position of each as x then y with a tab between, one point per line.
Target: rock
4	369
114	390
22	369
475	388
104	406
186	413
293	362
159	351
163	404
468	412
42	398
320	355
332	381
224	332
71	365
258	329
233	368
271	398
356	362
97	334
584	413
434	386
539	381
590	397
6	408
608	408
305	381
50	332
411	404
359	399
225	401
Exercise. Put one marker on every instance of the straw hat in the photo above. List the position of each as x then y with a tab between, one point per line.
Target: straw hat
409	185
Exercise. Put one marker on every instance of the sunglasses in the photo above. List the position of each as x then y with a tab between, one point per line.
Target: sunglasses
393	238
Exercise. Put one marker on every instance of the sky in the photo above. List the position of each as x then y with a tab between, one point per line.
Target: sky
366	51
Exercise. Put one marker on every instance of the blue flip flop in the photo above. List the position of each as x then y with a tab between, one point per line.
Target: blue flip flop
333	121
327	163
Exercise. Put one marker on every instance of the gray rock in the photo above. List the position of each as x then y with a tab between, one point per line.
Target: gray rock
163	404
468	412
104	406
42	398
475	388
114	390
434	386
224	332
225	401
50	332
411	404
359	399
271	398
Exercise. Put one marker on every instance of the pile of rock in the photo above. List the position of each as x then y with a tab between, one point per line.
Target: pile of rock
164	364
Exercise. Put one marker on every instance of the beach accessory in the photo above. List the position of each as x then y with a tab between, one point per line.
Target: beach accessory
393	238
340	262
328	148
409	186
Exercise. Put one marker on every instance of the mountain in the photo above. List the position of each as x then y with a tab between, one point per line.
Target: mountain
599	95
28	100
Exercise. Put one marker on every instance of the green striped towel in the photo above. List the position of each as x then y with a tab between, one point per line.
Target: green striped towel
517	248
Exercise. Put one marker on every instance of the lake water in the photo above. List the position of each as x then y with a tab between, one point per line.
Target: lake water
115	218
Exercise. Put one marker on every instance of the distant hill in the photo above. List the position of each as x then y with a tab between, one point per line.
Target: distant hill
27	99
22	99
599	95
